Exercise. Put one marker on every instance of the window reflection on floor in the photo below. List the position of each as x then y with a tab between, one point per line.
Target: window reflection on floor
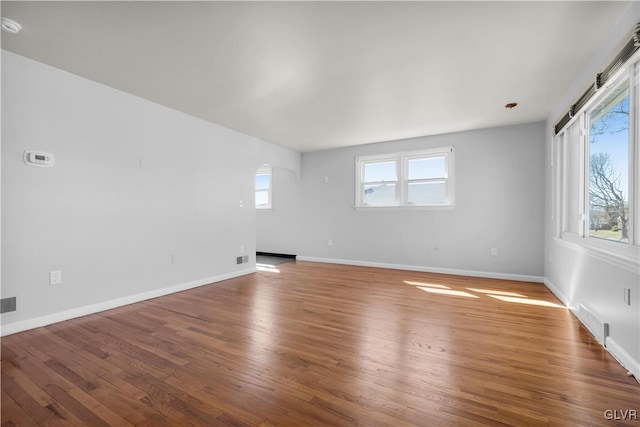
504	296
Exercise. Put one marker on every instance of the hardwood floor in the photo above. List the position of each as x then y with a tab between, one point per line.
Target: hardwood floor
319	344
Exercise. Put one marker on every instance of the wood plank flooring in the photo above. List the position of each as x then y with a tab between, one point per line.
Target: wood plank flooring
323	345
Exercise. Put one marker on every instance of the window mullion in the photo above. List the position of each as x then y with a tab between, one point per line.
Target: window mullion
583	173
634	154
563	185
559	178
362	184
401	168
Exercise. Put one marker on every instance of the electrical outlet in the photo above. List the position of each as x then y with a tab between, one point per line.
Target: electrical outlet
330	242
494	251
241	249
326	179
241	204
55	277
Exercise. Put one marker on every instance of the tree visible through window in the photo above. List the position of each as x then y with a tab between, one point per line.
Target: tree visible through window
609	167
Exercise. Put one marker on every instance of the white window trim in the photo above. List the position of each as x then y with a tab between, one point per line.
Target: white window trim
623	255
266	170
360	164
627	257
402	181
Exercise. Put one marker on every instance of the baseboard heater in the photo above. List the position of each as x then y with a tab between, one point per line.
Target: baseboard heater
598	327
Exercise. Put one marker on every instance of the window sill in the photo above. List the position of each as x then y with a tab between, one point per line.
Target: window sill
627	256
264	209
405	208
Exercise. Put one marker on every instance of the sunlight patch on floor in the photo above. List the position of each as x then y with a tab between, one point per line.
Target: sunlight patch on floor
499	295
430	285
448	292
268	268
492	292
527	301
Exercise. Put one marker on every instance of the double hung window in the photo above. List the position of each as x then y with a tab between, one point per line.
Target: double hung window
412	179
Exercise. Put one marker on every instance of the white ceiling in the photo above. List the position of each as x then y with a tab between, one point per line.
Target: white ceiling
317	75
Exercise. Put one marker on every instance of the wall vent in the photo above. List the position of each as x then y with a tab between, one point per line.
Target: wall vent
598	327
8	305
242	259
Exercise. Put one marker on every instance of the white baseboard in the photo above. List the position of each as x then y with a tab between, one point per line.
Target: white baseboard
73	313
618	353
554	290
454	271
624	358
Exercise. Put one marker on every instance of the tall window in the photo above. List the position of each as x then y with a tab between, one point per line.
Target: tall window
263	188
608	150
598	167
413	179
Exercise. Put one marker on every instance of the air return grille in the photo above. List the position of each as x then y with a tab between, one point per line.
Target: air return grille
8	305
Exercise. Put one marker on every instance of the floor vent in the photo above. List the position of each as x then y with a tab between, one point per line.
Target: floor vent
598	327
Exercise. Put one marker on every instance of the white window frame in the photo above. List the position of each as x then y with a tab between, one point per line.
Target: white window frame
402	179
625	255
361	162
265	170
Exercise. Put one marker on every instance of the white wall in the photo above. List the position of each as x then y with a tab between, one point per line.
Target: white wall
133	184
277	229
578	277
499	203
